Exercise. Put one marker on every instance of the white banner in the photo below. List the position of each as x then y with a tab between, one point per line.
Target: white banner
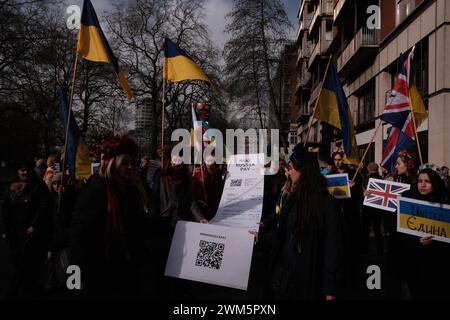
242	197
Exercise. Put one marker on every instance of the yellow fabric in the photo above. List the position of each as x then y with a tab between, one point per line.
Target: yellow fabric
354	159
182	68
82	161
90	44
327	108
328	111
417	105
124	84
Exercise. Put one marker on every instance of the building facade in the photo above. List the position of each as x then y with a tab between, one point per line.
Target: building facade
366	53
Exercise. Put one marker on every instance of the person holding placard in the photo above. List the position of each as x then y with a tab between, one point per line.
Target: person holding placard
424	262
350	210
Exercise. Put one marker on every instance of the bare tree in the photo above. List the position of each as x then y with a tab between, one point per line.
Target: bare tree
258	30
140	28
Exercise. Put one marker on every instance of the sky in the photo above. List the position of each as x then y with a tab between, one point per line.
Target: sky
215	15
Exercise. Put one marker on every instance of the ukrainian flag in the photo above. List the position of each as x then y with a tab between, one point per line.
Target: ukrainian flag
332	108
417	105
77	152
178	66
93	46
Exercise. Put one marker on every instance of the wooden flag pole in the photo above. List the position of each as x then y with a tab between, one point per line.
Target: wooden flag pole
316	103
367	150
68	117
162	122
415	131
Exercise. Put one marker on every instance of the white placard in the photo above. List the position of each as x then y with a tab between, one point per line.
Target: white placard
211	254
242	197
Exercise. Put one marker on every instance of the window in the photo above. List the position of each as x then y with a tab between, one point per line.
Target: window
366	103
404	9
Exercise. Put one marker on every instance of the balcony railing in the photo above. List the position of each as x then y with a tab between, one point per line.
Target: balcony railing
364	38
315	92
318	50
317	12
327	7
304	78
307	21
338	8
314	53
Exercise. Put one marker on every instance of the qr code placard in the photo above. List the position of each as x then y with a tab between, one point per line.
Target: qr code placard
236	182
210	254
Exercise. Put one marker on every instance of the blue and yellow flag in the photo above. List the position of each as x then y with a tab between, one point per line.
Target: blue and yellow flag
178	66
77	152
417	105
93	46
332	108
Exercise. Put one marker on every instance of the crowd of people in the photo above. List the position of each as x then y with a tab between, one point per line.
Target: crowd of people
118	225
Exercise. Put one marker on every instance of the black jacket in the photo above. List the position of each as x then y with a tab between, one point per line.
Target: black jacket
310	268
29	207
105	273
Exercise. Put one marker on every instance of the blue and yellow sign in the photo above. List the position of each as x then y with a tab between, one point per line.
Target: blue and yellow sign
338	186
421	218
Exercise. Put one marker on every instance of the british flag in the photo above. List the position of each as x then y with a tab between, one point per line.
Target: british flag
397	112
383	194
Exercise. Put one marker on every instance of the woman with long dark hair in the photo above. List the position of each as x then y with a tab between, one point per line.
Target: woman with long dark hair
307	244
425	262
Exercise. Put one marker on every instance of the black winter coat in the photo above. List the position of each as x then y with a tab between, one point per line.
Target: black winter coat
308	269
113	274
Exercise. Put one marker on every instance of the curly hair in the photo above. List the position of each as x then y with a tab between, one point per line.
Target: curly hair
115	146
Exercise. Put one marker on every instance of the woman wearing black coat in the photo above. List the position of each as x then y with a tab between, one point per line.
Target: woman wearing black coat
107	232
425	263
26	225
307	244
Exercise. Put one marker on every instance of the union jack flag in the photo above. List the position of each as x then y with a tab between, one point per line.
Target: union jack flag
397	112
383	194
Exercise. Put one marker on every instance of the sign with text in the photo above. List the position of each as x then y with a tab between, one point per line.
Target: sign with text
339	186
242	197
211	254
421	218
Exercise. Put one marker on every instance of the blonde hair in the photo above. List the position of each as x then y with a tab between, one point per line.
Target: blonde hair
109	169
51	161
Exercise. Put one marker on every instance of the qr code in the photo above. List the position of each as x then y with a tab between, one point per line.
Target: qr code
210	254
236	182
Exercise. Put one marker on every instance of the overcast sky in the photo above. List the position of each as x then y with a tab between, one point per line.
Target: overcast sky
215	14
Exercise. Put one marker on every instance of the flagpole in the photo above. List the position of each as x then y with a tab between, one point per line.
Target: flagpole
68	117
411	107
367	150
316	103
415	131
162	122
